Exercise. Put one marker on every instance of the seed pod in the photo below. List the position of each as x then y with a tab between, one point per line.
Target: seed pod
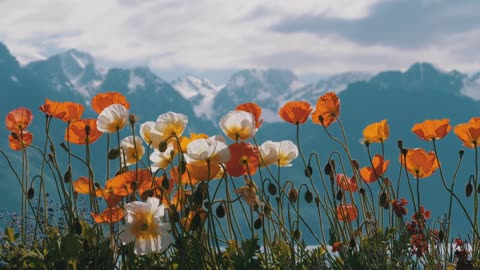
297	234
308	171
257	224
67	177
339	195
329	167
162	147
308	196
220	211
132	119
30	193
113	153
293	195
469	189
383	199
272	189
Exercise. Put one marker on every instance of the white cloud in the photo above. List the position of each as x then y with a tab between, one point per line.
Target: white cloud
206	35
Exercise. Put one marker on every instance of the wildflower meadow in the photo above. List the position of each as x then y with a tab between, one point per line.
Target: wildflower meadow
150	196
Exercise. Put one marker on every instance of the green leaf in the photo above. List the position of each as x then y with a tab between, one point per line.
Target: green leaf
71	246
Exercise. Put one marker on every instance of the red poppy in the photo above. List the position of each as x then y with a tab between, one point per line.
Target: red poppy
469	132
244	159
347	212
347	184
254	109
399	207
19	140
327	109
65	111
421	215
369	174
432	129
419	163
337	246
77	132
295	112
18	119
109	215
103	100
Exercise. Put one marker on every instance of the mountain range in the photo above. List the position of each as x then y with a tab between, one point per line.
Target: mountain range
421	92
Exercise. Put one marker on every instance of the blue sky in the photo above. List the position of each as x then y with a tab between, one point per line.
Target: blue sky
213	38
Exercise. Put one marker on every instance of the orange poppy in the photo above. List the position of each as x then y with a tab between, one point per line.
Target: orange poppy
419	163
184	141
109	215
19	140
347	184
244	159
202	172
377	132
469	133
327	109
82	185
369	174
103	100
18	119
65	111
146	181
295	112
347	212
432	129
184	179
254	109
77	131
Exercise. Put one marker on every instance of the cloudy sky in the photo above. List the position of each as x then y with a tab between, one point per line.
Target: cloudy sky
213	38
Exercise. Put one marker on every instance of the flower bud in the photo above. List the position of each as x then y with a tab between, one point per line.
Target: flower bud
297	234
383	199
30	193
267	209
113	153
272	189
132	119
166	183
400	145
293	195
355	164
339	195
162	147
257	224
220	211
308	196
461	152
468	189
308	171
362	191
67	177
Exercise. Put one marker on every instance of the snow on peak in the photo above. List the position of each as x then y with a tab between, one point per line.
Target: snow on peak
135	81
471	88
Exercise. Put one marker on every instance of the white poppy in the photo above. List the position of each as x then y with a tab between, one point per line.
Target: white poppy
130	151
146	226
171	124
162	159
213	149
238	125
150	134
280	153
112	118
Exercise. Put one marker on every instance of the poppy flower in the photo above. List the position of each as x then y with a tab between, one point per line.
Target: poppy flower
212	149
295	112
145	226
244	159
203	171
337	246
171	124
249	195
146	181
369	174
150	135
19	140
469	133
280	153
18	119
432	129
419	163
65	111
82	185
347	184
162	159
327	109
399	207
347	212
102	100
109	215
132	150
421	215
254	109
376	133
112	118
238	125
182	177
83	131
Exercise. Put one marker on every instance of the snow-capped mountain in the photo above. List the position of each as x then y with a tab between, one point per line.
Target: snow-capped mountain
200	92
335	83
263	87
72	70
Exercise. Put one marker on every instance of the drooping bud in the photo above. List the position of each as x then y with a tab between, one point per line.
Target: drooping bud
272	189
162	147
293	195
257	224
267	209
383	199
308	171
339	195
308	196
362	191
297	234
220	211
67	177
113	153
30	193
355	164
468	189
